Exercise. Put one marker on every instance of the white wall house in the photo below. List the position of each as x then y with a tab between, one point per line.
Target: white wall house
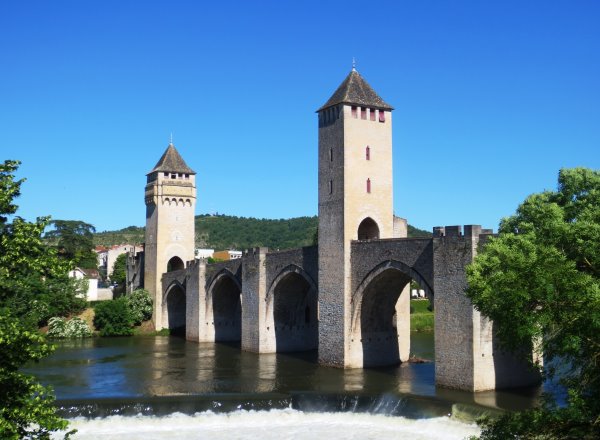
91	276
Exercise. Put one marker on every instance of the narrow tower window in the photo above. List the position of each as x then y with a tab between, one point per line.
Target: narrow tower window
368	153
331	187
369	186
381	116
331	154
354	112
372	114
363	113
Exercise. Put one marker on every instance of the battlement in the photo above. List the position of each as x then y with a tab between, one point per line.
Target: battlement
255	251
457	231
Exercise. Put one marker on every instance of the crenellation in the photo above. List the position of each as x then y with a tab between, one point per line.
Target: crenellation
438	231
453	231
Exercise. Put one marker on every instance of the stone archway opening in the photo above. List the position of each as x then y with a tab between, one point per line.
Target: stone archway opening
176	310
174	264
295	314
368	229
383	326
227	310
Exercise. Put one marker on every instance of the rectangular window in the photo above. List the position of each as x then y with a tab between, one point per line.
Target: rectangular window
363	113
331	154
331	187
354	112
173	176
166	174
381	116
372	114
369	186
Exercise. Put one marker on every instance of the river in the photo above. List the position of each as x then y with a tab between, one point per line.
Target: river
152	387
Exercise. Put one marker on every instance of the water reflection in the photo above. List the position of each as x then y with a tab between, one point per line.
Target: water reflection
168	366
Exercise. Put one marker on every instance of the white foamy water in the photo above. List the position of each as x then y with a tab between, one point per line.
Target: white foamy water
270	425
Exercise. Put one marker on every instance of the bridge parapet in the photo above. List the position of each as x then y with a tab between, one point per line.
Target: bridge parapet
457	231
305	258
413	255
169	277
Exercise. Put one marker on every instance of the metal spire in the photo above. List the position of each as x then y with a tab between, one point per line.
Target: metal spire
353	64
171	139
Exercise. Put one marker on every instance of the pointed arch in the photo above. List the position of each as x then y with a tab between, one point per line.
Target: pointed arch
395	265
368	229
174	308
292	310
175	263
224	305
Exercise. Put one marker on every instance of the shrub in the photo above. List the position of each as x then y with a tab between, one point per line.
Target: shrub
140	305
113	318
61	328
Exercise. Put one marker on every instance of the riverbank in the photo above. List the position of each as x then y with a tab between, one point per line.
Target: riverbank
421	317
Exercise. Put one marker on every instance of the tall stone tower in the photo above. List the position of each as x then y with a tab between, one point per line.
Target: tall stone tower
170	233
355	199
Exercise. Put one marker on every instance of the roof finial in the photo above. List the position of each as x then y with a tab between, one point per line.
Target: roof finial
171	139
353	64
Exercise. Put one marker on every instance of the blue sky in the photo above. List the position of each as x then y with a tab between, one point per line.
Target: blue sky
492	98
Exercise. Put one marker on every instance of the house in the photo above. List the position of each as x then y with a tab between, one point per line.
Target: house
108	255
227	255
91	276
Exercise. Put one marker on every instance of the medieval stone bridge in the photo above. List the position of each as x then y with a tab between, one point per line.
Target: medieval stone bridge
348	297
269	301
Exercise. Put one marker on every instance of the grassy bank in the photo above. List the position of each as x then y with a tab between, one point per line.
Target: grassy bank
421	318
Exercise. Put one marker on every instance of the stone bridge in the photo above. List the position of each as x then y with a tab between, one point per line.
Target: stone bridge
269	302
348	298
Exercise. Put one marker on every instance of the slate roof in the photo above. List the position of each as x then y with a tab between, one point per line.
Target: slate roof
172	162
356	91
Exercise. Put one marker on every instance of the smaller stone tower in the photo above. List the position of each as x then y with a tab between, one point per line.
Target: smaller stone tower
170	206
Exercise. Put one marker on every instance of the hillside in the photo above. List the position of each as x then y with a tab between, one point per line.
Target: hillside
230	232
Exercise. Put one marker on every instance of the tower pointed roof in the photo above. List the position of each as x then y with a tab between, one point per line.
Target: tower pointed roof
356	91
172	162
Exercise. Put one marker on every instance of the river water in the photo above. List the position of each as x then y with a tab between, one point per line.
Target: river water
165	387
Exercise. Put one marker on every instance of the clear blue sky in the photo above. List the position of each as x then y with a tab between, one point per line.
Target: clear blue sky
492	98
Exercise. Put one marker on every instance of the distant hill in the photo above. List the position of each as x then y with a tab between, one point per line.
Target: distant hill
229	232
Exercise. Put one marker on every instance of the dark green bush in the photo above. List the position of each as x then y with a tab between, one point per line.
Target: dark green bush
113	318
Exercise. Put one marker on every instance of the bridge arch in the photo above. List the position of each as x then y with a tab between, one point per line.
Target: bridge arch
224	306
292	311
174	308
380	321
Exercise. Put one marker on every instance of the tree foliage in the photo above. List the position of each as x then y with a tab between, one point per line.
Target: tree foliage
229	232
113	318
33	284
74	240
26	408
118	274
539	280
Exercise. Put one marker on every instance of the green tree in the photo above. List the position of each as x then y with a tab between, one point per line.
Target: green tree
26	408
32	281
539	280
74	240
118	274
